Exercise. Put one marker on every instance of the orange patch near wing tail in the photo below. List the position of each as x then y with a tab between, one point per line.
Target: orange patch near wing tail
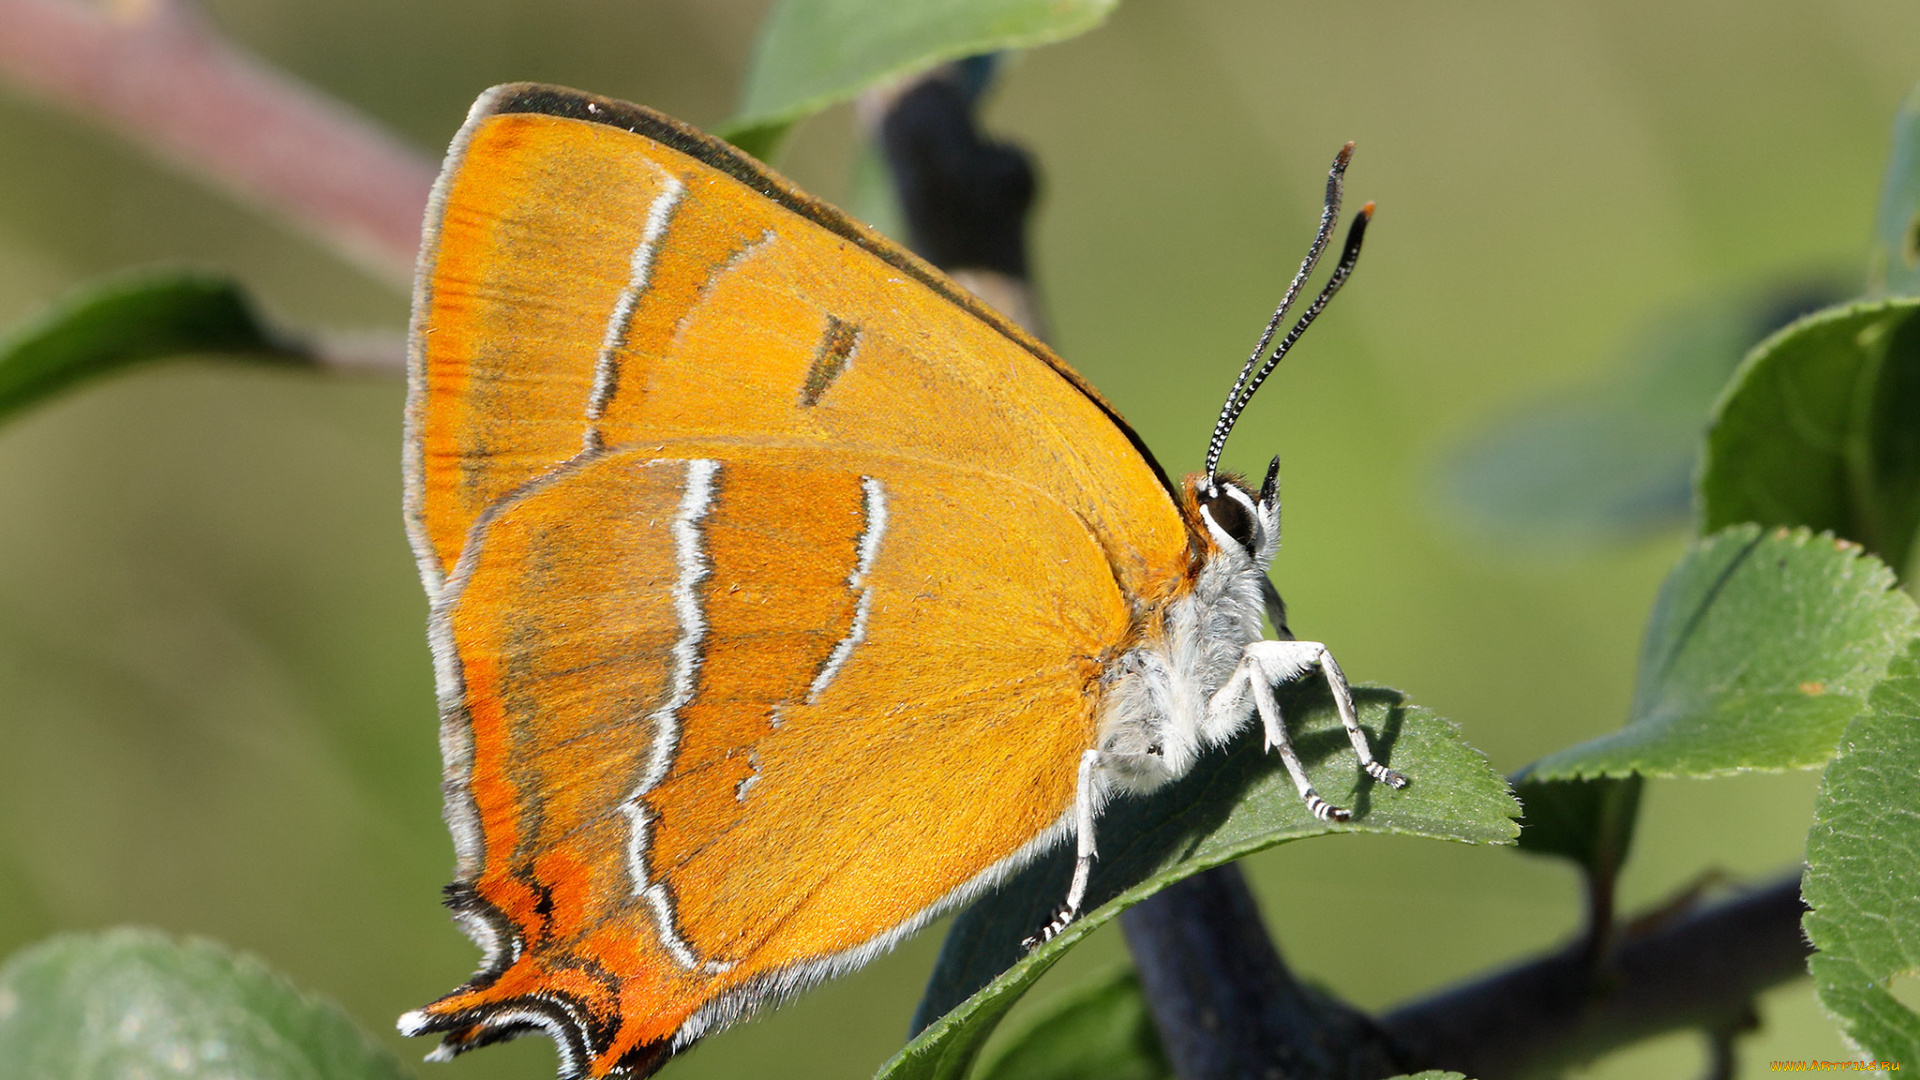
582	1010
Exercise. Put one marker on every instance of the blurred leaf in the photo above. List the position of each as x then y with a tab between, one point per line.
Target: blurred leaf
1099	1030
1863	869
1589	821
1761	647
1235	801
870	192
1821	428
814	53
1616	458
1895	266
118	322
1432	1074
135	1003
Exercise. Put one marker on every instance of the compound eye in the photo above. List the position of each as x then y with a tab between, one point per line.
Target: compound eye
1231	514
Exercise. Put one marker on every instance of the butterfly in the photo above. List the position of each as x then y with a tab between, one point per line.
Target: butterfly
784	595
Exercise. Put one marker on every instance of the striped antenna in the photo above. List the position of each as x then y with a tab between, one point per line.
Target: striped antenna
1254	373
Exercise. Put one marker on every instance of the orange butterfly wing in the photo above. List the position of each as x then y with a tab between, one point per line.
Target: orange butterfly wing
592	266
741	816
773	575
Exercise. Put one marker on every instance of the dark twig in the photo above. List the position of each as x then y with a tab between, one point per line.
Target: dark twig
965	198
1699	971
155	72
1223	1001
1723	1058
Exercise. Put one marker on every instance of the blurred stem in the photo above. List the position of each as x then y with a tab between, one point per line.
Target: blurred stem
359	352
158	74
1723	1058
965	198
1698	971
1225	1004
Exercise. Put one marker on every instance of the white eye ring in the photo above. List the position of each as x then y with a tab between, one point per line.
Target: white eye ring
1256	524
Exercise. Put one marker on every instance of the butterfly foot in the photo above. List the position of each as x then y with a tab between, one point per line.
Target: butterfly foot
1052	930
1389	777
1325	810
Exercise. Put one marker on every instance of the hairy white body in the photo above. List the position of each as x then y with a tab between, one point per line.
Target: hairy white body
1197	682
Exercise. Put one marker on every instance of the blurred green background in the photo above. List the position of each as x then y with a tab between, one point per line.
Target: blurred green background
216	709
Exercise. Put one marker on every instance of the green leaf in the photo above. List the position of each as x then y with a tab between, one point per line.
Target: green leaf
1895	266
1821	428
1588	821
1432	1074
1863	869
121	321
1762	645
1616	457
813	53
135	1003
1236	801
1099	1030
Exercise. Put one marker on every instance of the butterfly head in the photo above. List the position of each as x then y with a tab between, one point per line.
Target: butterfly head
1232	517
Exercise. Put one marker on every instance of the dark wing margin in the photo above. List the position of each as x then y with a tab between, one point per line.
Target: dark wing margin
639	120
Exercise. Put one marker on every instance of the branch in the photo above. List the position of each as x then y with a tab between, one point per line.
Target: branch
1697	971
155	72
965	198
1225	1004
359	352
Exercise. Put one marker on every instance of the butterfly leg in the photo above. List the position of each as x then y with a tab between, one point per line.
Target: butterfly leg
1091	763
1349	716
1264	665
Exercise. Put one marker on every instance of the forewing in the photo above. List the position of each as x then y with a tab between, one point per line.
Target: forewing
596	274
723	717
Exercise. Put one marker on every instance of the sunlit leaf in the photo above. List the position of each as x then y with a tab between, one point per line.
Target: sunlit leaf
135	1003
1099	1030
813	53
1821	427
1863	870
1761	647
120	322
1236	801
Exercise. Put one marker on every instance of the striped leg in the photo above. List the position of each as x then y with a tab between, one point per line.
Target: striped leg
1083	813
1268	663
1349	717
